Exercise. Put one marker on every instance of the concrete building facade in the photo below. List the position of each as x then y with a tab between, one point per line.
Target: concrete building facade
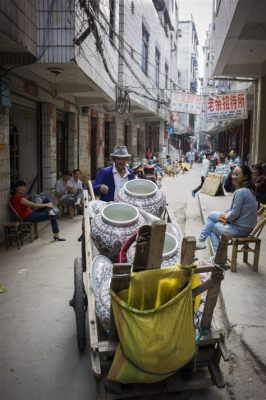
238	60
77	78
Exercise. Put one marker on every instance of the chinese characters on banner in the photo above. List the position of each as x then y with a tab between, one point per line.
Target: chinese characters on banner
227	106
186	103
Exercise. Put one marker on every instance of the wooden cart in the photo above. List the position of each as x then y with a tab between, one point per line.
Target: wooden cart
204	369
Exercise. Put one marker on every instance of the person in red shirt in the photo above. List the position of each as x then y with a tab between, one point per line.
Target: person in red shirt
34	212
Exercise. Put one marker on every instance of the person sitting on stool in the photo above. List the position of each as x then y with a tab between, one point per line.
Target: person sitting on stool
34	212
75	188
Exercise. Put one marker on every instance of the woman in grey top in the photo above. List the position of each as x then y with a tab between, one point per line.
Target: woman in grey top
240	218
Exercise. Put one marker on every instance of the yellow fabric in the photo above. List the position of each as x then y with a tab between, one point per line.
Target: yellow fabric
184	166
154	320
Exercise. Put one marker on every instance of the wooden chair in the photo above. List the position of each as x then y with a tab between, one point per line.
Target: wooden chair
242	244
65	208
12	230
26	227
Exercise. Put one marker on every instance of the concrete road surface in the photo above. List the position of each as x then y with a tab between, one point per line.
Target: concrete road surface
39	356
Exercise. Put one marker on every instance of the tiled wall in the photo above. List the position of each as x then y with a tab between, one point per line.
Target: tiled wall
49	146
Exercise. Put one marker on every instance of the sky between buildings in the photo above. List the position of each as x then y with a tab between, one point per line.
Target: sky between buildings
202	16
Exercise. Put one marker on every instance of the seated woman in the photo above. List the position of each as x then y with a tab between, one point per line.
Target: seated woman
240	218
259	181
34	212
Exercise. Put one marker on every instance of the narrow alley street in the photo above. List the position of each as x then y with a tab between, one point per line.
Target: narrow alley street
39	356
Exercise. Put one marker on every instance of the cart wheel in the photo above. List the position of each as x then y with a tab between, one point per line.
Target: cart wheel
79	303
100	389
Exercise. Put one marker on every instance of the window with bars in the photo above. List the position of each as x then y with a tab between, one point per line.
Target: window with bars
145	50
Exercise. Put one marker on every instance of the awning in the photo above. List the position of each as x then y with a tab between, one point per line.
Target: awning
223	126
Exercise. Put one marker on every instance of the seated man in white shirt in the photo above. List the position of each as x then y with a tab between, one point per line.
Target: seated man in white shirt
75	188
64	192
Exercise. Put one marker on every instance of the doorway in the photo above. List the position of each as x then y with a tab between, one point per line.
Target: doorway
24	147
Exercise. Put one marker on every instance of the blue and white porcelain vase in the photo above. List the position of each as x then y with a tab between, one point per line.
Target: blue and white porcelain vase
170	256
143	194
115	223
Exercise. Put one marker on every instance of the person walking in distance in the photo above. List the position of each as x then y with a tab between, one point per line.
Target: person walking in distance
190	158
204	172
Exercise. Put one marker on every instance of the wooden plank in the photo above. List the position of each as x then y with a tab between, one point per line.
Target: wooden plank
204	286
188	251
216	375
121	277
93	333
156	245
216	276
120	280
221	253
149	246
90	189
169	216
200	270
158	389
142	248
211	336
107	347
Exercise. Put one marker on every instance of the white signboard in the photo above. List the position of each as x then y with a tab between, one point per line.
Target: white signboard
227	106
186	103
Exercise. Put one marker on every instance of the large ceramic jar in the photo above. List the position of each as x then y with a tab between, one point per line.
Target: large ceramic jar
170	256
115	223
143	194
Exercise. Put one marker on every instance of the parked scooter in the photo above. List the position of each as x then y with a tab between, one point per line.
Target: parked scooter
150	172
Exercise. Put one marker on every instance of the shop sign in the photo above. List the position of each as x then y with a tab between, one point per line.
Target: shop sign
227	106
186	103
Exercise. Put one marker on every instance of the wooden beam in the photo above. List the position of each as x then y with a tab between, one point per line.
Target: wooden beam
149	246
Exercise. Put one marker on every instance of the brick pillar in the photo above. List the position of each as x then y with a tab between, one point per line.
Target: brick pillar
84	149
4	164
73	151
119	131
112	139
161	135
100	144
134	138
